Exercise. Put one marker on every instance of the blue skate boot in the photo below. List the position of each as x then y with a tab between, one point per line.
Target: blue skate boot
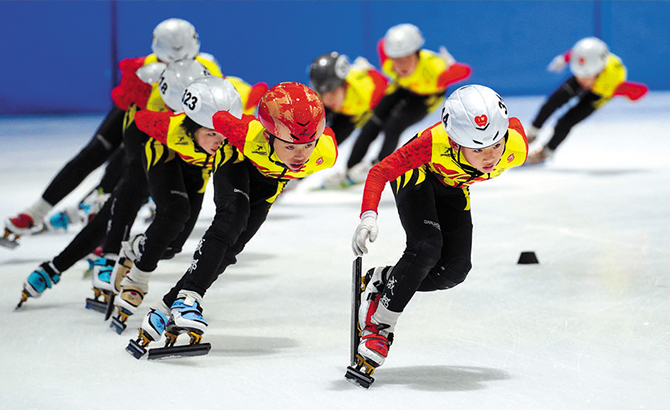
152	329
101	277
38	281
185	317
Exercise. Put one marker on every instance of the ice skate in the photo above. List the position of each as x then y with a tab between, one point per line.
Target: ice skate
38	281
374	338
185	317
121	268
102	288
152	329
128	282
92	203
22	224
91	258
63	220
133	288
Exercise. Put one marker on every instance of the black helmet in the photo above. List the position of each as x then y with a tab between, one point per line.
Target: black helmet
328	72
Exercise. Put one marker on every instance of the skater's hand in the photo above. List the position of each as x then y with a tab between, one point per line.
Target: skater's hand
557	64
367	229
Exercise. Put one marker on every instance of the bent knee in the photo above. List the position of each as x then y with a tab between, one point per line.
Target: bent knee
447	276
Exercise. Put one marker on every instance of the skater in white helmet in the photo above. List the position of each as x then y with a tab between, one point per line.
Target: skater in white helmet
105	146
418	83
597	76
430	177
176	182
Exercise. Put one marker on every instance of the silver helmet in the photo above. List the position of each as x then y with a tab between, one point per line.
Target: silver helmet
175	39
402	40
588	57
206	96
176	77
475	116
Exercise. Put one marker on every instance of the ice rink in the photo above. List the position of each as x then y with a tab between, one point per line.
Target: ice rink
586	328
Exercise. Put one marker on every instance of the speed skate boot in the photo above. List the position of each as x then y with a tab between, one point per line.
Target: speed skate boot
27	222
38	281
93	203
130	251
133	288
375	336
101	276
15	227
152	329
185	317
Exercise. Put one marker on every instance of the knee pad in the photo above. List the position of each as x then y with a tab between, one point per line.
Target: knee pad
454	273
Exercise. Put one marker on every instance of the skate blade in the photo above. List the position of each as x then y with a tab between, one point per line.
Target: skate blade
174	352
8	243
359	378
118	325
135	349
24	297
96	305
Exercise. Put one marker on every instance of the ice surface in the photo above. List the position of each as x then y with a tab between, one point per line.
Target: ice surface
587	328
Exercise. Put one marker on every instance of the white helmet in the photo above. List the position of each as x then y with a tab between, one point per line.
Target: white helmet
588	57
402	40
175	39
206	96
475	116
176	77
151	73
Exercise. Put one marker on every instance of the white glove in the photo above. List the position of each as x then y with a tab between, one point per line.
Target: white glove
557	64
367	229
446	56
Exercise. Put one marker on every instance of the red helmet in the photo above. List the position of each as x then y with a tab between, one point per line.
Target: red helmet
293	113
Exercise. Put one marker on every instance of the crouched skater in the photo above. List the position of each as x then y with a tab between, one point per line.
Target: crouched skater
289	140
430	177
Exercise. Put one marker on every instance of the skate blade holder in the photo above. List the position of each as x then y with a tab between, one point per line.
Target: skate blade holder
9	240
138	348
118	324
95	303
360	373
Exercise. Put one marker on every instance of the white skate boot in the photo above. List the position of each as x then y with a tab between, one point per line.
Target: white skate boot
186	314
102	288
376	337
133	288
151	330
